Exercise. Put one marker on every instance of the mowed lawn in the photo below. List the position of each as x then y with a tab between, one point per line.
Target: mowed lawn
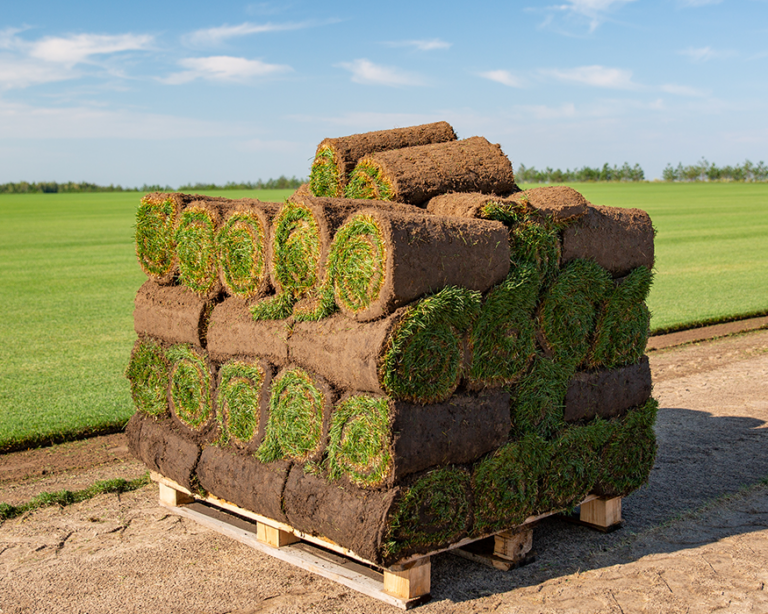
69	276
67	281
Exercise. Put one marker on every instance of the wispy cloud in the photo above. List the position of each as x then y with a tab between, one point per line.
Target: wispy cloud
421	45
593	12
502	76
16	73
224	68
216	36
704	54
366	72
698	3
684	90
79	48
595	76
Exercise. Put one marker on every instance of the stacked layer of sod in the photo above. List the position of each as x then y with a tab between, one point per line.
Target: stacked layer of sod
336	158
416	174
469	379
381	260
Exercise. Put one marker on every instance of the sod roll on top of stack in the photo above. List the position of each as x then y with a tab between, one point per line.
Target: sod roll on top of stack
409	351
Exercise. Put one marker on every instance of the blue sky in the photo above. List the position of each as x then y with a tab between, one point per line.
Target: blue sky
173	92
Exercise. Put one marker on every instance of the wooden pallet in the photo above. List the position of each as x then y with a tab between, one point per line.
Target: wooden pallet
404	584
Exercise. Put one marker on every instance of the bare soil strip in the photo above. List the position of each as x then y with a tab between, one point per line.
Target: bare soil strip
694	539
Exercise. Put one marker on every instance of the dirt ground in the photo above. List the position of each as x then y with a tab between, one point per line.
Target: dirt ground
695	539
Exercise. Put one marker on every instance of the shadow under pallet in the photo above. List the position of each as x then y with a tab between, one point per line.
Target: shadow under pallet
405	584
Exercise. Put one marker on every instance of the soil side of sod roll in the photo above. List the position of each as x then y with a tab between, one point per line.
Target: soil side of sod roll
233	332
560	204
337	157
416	174
162	447
242	402
172	313
351	517
608	393
244	481
415	254
619	240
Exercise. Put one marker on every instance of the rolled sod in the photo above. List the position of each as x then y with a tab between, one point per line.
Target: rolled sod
416	354
336	158
608	393
172	313
574	465
242	244
538	399
155	227
502	341
505	484
302	232
233	332
628	456
242	401
559	204
244	481
381	260
433	512
375	442
196	248
568	311
300	406
351	517
163	447
617	239
416	174
190	392
623	323
148	372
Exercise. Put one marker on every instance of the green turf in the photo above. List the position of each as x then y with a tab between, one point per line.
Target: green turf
68	280
711	244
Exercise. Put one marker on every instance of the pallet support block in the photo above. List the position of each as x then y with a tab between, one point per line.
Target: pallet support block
601	513
171	496
513	545
409	583
274	537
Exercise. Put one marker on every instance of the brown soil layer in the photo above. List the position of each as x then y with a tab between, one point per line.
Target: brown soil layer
244	481
425	253
418	174
233	332
619	240
348	150
457	431
608	393
345	352
705	333
351	517
162	448
172	313
559	203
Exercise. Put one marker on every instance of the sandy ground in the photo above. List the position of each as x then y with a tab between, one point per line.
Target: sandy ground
695	539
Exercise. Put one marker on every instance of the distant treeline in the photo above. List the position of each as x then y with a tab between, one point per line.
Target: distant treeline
52	187
625	172
707	171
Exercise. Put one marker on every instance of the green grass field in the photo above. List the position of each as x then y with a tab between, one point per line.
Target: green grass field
69	276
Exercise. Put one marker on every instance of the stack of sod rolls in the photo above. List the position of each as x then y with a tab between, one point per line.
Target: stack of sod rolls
436	360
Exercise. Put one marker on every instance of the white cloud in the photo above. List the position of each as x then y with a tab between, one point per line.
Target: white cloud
224	68
215	36
698	3
20	73
596	76
79	48
704	54
684	90
368	73
422	45
594	11
502	76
